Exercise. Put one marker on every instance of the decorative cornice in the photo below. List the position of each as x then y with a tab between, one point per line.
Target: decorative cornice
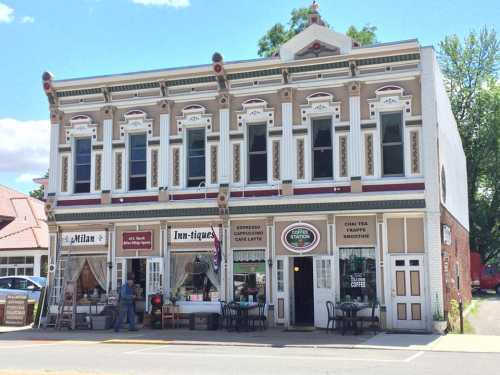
243	210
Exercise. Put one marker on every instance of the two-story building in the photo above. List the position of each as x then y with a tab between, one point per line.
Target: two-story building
321	169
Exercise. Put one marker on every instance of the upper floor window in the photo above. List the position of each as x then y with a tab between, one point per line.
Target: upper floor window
137	162
322	148
257	153
82	165
392	144
195	157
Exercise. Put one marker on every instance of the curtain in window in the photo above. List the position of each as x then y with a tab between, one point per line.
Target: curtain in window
97	265
211	274
73	268
178	275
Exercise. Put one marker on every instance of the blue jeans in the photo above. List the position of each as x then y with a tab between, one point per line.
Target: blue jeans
125	309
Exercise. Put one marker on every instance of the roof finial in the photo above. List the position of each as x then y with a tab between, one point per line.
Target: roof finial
314	16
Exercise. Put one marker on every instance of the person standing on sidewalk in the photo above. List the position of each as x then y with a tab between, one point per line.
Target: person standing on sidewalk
126	306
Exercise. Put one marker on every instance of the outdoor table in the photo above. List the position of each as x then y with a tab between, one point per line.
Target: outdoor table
350	310
242	309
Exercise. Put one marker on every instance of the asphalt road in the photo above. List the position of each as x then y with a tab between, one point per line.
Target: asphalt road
97	358
486	321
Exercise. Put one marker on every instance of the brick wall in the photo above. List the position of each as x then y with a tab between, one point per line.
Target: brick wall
456	261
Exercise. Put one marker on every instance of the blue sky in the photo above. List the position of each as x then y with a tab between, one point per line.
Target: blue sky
75	38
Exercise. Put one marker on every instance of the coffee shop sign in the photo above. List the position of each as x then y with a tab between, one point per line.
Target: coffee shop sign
300	237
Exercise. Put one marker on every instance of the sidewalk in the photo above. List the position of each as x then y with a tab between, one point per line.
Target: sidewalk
268	338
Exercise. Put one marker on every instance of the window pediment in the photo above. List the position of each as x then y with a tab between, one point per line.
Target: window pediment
390	97
255	111
136	121
194	115
81	126
320	103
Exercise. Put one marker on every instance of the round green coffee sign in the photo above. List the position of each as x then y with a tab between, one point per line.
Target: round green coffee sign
300	237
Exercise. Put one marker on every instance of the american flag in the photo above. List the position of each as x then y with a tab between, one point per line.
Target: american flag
216	252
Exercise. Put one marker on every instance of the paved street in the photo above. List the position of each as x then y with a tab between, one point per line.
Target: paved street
486	321
85	357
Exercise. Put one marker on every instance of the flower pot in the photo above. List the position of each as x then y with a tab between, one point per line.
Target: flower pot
439	326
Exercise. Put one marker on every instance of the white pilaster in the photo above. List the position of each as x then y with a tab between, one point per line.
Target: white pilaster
355	141
37	265
224	158
431	167
54	159
164	149
107	140
287	143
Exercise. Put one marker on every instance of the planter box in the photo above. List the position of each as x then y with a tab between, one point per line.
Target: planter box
439	326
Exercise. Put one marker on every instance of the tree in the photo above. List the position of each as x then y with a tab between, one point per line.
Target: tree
365	36
278	34
38	193
471	74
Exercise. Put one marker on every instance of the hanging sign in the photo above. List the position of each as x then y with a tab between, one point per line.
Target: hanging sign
300	237
137	240
97	238
16	310
190	235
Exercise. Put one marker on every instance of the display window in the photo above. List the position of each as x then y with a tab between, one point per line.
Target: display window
193	277
249	281
357	269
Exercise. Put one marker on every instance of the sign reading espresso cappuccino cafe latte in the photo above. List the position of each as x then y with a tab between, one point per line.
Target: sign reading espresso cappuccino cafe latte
300	237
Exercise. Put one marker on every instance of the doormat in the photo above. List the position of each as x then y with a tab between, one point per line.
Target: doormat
300	329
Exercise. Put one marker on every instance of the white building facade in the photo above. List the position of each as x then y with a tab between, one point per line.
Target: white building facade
319	169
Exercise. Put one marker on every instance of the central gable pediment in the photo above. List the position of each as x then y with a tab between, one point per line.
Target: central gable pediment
315	41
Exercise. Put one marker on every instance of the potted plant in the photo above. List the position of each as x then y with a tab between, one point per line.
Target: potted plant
439	323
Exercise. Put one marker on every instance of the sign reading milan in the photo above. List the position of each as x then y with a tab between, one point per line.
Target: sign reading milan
141	240
97	238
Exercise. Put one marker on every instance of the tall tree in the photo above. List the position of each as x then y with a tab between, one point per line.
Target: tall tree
278	34
471	72
38	193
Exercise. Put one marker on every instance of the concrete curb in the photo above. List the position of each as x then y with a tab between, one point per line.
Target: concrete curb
431	348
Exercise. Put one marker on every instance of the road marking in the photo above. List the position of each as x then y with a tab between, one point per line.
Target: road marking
28	346
149	351
414	356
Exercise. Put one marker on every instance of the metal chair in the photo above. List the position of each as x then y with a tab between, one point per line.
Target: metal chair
261	318
373	320
330	309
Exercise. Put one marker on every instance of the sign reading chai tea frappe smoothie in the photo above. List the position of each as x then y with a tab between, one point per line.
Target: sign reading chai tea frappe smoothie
355	230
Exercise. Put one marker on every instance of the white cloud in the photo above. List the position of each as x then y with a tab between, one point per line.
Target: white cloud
27	19
6	13
27	177
166	3
24	147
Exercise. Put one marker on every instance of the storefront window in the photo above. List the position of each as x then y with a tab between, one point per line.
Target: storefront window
249	281
193	278
357	274
280	275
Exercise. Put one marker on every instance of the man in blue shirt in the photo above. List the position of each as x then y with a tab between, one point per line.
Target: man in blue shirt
126	306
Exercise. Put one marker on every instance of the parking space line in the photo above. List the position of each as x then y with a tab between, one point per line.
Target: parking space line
155	352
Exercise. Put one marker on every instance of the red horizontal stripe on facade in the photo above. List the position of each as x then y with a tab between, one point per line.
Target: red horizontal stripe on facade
78	202
147	198
394	187
255	193
178	197
322	190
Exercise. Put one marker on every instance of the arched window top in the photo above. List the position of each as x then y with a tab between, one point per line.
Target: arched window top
81	118
389	89
254	101
194	108
323	95
135	113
